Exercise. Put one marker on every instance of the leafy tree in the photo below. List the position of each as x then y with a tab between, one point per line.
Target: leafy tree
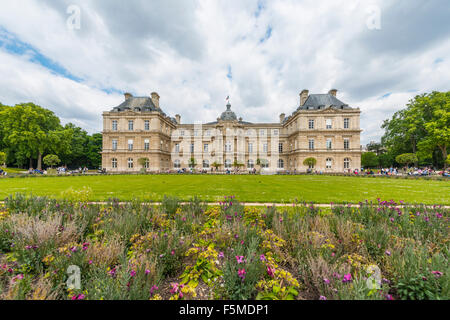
448	159
369	160
2	158
237	164
30	131
310	162
406	158
376	147
216	165
51	160
142	162
422	128
94	148
192	163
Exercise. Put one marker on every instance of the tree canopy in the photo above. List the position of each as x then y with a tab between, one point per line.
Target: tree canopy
28	132
422	128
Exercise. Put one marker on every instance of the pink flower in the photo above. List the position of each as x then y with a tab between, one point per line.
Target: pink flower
240	259
270	271
389	297
242	273
322	298
437	273
90	262
347	278
387	252
153	289
326	281
132	273
172	252
221	255
147	271
262	257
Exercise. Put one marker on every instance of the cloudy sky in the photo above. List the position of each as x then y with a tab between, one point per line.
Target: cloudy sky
77	58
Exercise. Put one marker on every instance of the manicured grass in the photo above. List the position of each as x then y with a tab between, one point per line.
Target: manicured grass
273	189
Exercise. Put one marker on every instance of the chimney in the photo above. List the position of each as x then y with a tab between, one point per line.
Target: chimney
127	96
282	117
333	92
303	96
155	99
178	118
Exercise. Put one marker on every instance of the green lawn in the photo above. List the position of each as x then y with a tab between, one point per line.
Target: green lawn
248	188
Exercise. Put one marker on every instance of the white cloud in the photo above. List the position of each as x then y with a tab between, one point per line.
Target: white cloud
183	51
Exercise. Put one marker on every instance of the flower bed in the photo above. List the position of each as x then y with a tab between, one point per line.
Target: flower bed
191	251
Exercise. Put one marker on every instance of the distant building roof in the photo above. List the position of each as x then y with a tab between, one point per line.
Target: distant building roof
320	101
139	104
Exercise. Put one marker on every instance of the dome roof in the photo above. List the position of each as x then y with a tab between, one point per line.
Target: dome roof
228	115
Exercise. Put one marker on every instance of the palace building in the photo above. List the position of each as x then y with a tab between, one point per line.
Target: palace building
138	135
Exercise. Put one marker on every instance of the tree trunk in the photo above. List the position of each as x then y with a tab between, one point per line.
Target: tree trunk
31	163
444	154
39	161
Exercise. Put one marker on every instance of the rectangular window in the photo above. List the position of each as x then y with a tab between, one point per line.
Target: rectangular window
130	163
262	132
205	147
177	147
130	145
311	124
182	133
250	148
265	147
130	125
346	123
329	163
192	148
346	144
147	144
228	147
114	163
275	132
328	123
147	125
196	133
280	147
114	144
207	133
114	125
329	144
311	144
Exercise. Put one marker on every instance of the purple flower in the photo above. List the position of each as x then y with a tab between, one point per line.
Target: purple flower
389	297
240	259
242	273
322	298
347	278
262	257
147	271
132	273
387	252
153	289
221	255
270	272
326	280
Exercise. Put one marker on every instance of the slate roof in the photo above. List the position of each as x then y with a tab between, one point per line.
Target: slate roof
139	104
320	101
229	115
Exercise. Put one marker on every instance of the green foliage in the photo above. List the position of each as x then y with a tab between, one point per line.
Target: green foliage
406	158
422	128
170	205
369	160
2	158
51	160
310	162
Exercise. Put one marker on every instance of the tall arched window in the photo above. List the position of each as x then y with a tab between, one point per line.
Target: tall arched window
280	164
205	164
227	163
250	164
114	163
130	163
347	163
176	164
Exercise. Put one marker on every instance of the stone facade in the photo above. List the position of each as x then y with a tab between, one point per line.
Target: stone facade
138	135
